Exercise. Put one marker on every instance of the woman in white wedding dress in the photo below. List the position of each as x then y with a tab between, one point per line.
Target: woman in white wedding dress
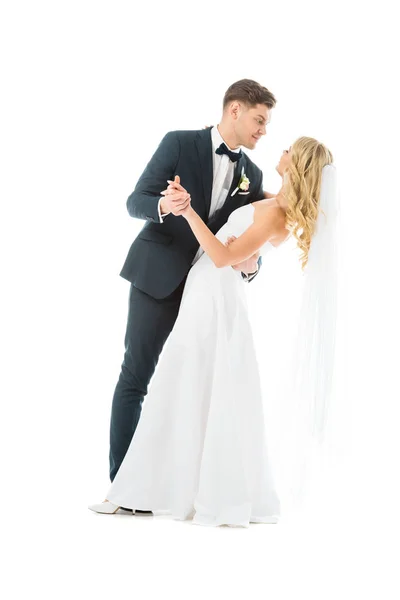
199	451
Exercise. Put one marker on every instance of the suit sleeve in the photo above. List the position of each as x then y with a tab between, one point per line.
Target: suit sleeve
143	203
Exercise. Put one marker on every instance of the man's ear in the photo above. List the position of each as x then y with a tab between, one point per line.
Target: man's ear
234	109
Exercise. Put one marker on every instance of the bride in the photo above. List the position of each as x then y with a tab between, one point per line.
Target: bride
199	451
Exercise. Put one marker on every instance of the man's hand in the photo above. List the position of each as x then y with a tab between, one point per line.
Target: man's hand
247	266
176	198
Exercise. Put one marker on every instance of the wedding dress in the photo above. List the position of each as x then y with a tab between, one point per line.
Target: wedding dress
199	451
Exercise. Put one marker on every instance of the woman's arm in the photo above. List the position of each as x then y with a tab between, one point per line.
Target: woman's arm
241	249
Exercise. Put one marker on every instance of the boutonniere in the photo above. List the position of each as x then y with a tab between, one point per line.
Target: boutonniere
243	185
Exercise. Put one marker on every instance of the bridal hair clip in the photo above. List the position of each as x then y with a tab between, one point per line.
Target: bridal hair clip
243	185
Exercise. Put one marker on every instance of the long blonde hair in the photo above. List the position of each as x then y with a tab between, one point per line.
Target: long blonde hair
302	186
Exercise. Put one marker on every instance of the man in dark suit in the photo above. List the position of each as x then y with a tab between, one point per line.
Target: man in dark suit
217	177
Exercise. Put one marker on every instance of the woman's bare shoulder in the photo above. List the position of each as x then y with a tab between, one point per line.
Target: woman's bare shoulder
269	210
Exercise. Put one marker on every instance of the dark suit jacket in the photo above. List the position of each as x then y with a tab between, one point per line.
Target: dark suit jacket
162	253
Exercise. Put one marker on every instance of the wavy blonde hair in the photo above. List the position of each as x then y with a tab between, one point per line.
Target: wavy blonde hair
302	186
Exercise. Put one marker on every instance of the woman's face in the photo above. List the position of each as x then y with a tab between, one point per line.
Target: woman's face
284	161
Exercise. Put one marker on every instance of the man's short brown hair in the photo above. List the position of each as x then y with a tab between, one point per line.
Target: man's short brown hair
249	92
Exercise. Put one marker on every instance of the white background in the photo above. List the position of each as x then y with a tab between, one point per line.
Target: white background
88	91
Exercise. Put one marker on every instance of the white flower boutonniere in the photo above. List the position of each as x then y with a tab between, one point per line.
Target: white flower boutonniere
243	185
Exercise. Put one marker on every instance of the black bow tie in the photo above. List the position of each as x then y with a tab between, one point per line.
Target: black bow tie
223	149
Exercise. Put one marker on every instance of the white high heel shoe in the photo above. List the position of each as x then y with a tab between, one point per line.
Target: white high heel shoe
108	508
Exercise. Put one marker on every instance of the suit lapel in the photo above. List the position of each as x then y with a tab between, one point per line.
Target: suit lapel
204	149
232	202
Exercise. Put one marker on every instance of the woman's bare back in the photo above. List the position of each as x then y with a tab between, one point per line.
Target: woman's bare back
271	210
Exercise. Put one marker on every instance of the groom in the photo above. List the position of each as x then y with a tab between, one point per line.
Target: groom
217	177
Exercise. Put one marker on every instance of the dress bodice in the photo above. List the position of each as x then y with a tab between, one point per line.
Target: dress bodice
238	222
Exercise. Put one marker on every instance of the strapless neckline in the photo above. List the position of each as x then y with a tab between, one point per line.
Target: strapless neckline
238	222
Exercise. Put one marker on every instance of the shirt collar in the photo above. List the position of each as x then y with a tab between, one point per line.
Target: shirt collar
217	140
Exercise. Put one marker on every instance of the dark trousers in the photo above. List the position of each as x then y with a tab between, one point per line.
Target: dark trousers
149	324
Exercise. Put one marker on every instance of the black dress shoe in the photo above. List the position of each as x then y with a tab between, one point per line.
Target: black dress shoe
138	512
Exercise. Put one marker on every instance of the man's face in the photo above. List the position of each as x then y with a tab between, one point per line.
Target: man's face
250	123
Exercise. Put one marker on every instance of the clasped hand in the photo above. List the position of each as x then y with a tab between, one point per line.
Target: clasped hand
176	199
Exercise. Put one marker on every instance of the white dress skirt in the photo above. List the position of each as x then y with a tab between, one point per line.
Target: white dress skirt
199	451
